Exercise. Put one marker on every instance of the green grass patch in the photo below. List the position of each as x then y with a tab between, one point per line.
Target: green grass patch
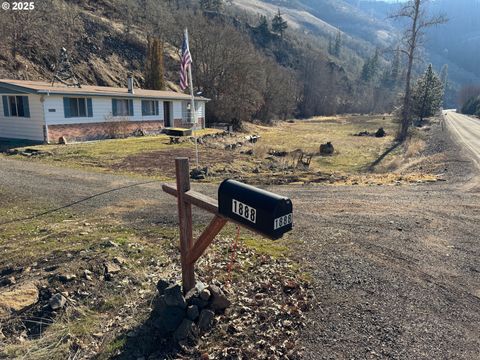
271	248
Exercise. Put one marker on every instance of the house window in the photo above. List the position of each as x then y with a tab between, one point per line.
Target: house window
16	106
77	107
149	107
122	107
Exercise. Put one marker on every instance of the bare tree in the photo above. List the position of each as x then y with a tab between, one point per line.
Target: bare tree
414	12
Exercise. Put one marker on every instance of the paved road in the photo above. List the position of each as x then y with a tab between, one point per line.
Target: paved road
467	131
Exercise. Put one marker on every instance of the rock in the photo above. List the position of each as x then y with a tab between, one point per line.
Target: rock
327	149
119	260
174	296
111	268
57	301
380	133
8	281
199	286
166	318
218	300
186	330
198	302
110	243
192	312
205	295
18	299
87	274
205	321
162	285
66	277
199	174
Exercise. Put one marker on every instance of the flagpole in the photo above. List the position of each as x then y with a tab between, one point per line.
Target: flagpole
193	110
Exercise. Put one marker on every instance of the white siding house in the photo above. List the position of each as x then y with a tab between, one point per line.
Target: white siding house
38	111
27	125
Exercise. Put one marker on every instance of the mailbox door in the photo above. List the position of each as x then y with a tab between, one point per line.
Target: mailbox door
264	212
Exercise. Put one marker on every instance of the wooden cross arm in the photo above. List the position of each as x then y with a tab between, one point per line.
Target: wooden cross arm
195	198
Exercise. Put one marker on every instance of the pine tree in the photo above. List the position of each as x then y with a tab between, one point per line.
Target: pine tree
212	5
427	95
330	46
154	67
395	70
370	68
262	31
338	44
444	76
279	25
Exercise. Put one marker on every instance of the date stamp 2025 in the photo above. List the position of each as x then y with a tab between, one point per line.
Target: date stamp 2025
18	5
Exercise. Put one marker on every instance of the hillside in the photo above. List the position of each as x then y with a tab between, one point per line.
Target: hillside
456	43
102	50
365	25
333	58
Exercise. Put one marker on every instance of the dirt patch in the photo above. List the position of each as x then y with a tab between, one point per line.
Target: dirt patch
162	163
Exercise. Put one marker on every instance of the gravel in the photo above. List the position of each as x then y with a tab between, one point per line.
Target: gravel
379	292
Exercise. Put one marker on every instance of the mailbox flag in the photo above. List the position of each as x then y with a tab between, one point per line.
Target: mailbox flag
186	62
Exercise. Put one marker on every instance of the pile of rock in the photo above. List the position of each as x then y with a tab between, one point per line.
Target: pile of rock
379	133
327	149
199	174
28	152
186	317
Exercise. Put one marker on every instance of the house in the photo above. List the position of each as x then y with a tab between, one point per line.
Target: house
40	111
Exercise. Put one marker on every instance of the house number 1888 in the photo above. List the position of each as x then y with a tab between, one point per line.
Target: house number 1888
244	211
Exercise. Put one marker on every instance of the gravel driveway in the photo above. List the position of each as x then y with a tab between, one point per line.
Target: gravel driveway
395	269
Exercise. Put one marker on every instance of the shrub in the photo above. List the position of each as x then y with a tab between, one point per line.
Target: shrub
116	127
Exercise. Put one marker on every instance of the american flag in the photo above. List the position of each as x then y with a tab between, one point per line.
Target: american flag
186	62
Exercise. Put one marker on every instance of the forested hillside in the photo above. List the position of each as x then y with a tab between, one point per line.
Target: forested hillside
456	43
249	66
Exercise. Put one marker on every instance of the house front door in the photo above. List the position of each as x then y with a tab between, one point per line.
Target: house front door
167	114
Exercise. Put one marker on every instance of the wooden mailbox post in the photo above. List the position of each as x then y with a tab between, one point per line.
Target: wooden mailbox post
192	250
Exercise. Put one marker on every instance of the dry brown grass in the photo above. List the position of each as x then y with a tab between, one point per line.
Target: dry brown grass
414	147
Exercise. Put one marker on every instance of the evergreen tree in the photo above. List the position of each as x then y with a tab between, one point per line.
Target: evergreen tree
444	80
427	95
395	70
370	68
279	24
472	106
444	76
262	31
154	67
338	44
212	5
330	46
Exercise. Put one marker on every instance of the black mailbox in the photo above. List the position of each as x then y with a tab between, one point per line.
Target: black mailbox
263	211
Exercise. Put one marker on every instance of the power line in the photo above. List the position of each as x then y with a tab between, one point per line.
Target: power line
51	211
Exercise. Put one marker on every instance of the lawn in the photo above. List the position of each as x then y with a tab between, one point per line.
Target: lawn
153	155
352	153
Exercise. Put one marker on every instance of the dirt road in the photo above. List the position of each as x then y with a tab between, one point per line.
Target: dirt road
395	269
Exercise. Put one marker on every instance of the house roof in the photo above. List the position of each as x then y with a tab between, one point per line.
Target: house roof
42	87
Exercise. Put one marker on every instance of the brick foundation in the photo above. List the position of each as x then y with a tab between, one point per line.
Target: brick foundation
183	124
103	130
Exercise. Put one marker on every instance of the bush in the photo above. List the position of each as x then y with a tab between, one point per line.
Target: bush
472	106
116	127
